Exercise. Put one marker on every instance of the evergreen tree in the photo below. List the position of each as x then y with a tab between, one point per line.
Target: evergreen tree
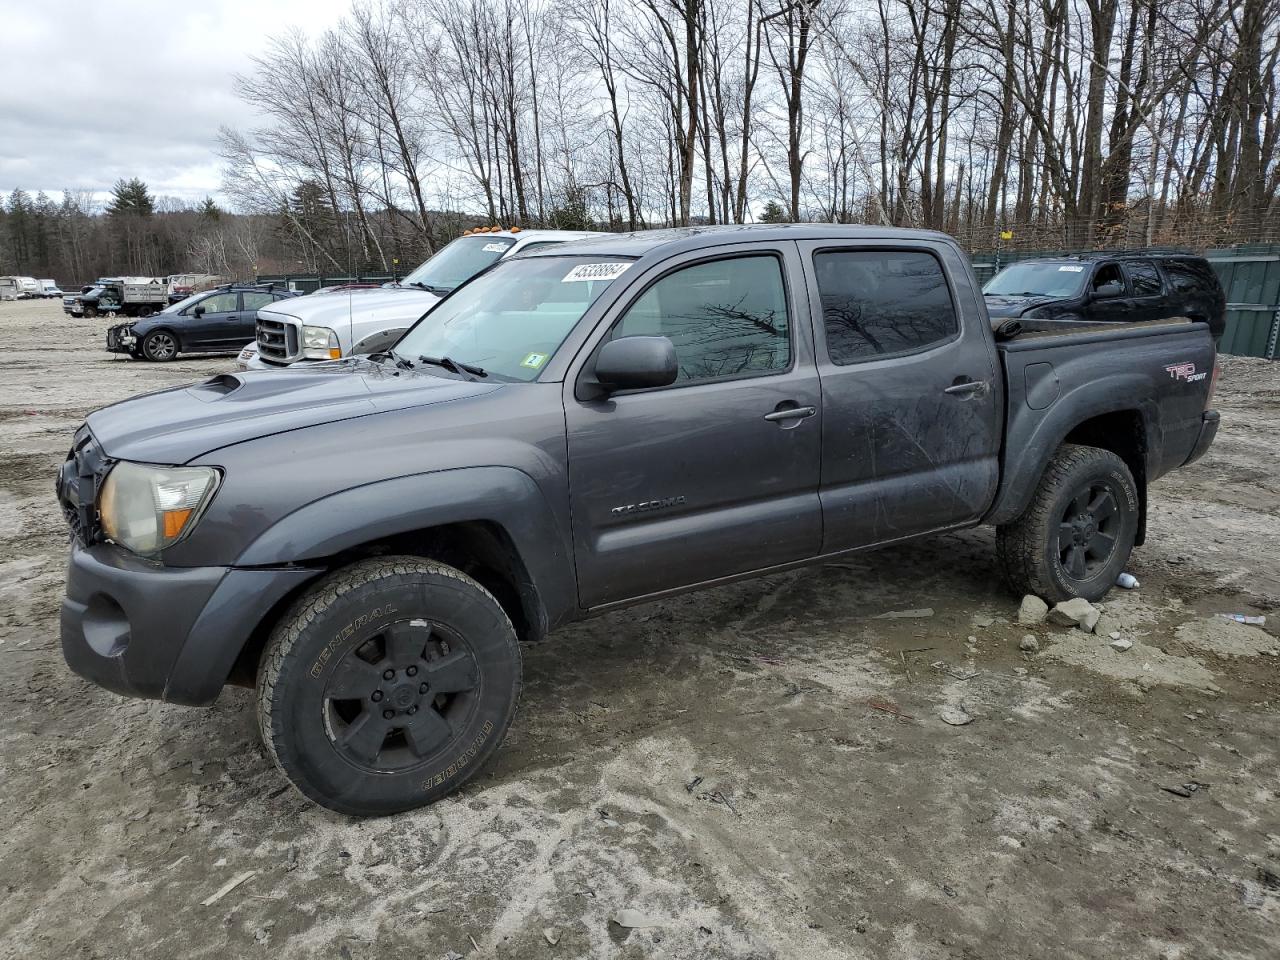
773	213
131	197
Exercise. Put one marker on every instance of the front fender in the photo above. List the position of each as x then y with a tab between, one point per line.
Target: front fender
504	496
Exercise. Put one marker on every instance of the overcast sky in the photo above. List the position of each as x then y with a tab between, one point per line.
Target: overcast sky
93	91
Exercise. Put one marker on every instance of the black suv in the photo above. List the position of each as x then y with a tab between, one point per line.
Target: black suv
221	320
1108	288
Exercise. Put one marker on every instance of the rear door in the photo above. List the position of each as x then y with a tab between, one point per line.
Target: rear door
251	301
1149	301
716	474
911	397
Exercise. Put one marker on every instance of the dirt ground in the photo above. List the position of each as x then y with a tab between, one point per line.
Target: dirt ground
759	771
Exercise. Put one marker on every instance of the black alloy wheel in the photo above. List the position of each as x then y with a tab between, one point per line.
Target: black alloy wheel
388	684
1088	531
400	696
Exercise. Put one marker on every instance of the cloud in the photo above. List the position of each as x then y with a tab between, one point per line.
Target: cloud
92	92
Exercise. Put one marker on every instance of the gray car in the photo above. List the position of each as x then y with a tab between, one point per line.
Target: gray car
581	429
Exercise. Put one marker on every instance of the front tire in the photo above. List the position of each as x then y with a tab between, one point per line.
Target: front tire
388	685
1075	537
160	346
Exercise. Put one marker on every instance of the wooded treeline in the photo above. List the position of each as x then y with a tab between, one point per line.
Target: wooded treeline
1069	122
77	238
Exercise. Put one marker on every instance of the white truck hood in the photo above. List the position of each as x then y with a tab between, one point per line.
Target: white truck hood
356	314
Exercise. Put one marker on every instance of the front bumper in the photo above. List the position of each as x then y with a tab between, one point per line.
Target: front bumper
1209	421
120	339
168	633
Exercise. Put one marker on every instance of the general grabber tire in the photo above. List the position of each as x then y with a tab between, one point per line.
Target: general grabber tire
388	685
1076	535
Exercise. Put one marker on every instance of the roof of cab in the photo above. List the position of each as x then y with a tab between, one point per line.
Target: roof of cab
678	239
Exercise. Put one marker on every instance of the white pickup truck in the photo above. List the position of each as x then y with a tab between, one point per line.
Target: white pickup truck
331	325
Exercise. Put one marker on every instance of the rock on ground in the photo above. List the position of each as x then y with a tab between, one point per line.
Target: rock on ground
1032	610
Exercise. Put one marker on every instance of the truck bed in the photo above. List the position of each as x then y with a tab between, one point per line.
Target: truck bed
1152	377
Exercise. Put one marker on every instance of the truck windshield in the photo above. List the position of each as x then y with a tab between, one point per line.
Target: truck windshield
458	262
510	321
1038	280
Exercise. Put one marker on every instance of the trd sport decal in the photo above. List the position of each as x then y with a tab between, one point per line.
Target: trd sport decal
1185	371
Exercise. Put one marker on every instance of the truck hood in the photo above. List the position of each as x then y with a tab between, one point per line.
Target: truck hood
1002	306
177	425
392	306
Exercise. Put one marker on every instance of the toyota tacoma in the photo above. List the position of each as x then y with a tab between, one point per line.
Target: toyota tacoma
586	427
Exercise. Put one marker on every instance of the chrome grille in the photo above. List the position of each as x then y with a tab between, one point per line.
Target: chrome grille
278	340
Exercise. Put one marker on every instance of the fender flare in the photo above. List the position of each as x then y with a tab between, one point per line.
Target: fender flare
1029	446
504	496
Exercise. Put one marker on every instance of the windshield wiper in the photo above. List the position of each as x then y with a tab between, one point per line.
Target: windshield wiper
430	288
455	366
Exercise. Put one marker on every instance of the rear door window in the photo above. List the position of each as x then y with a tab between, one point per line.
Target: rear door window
256	301
1145	279
882	303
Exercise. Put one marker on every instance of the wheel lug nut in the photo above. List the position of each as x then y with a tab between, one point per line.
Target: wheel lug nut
422	688
413	710
388	675
412	671
388	714
377	695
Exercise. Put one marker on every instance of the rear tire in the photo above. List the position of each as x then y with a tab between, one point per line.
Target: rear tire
1075	537
388	685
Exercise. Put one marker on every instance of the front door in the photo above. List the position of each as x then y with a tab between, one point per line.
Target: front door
1112	309
911	397
214	330
716	474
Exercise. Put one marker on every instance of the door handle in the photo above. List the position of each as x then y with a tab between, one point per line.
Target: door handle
791	413
966	387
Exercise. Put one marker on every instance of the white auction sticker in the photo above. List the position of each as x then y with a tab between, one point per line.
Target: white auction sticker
494	247
596	271
1070	269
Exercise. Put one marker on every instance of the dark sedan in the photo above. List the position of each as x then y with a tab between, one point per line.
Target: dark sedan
214	321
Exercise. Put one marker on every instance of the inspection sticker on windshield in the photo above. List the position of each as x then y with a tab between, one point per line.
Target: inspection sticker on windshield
1070	269
534	360
494	247
596	271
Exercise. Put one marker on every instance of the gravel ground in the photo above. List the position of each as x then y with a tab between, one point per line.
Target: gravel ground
759	771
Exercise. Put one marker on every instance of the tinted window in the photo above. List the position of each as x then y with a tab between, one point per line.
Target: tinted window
727	318
1107	273
1188	276
882	302
256	301
1146	282
220	303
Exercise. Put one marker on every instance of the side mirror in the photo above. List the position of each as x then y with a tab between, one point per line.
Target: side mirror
197	311
1108	290
633	363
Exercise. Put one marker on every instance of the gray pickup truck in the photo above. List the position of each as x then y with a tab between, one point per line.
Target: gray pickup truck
579	429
